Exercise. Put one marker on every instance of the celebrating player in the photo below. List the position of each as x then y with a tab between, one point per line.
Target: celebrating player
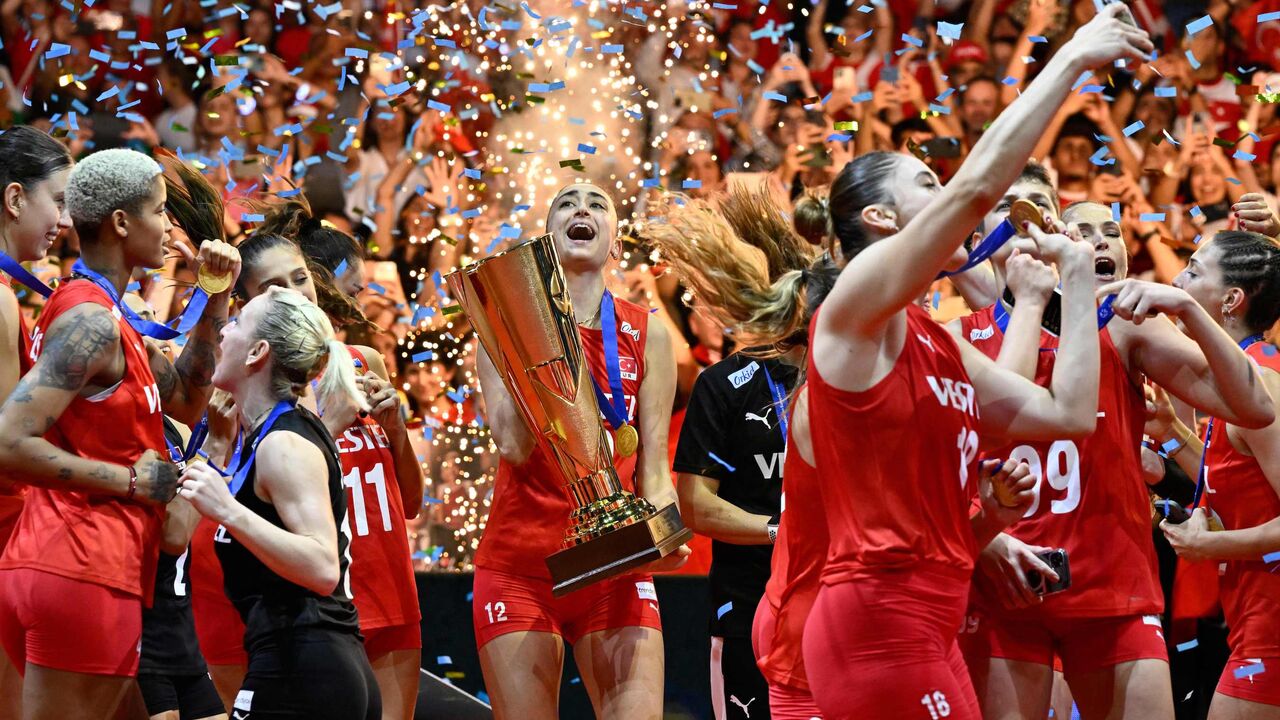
1235	278
284	560
83	430
33	175
519	625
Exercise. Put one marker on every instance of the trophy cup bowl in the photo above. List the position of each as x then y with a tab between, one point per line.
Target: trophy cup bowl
520	308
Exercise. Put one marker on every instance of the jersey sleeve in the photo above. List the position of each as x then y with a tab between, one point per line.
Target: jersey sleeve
703	434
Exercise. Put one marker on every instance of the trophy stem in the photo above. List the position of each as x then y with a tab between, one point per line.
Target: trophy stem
605	515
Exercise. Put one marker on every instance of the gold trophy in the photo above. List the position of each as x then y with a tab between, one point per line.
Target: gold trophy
519	306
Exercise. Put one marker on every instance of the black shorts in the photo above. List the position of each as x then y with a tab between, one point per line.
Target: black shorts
193	696
316	676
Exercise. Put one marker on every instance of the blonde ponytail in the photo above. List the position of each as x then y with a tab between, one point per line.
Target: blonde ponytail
303	347
733	277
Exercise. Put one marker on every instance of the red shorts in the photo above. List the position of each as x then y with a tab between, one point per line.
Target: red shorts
503	603
1258	680
975	645
885	646
383	640
218	628
68	625
1084	644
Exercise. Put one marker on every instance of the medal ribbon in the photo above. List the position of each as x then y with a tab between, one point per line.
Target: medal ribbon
190	315
985	249
198	434
779	394
615	408
1202	477
19	273
242	466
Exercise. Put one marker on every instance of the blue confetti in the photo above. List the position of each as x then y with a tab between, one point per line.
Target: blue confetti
775	96
1133	128
1246	156
691	184
1115	211
1151	217
252	217
1191	58
720	612
1270	557
1268	17
1099	157
1183	647
588	149
57	50
1196	26
951	31
1196	211
1249	670
862	97
610	49
436	501
444	660
1038	39
722	462
423	356
912	40
375	287
1166	92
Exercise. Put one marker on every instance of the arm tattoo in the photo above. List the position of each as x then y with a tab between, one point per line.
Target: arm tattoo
166	376
164	483
70	354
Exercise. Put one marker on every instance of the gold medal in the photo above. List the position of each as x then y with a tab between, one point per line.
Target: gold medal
626	440
1003	494
1024	211
210	283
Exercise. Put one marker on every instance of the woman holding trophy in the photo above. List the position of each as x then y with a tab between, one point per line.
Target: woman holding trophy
613	624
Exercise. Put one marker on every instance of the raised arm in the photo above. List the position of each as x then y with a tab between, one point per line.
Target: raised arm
185	385
1204	368
878	283
1016	408
512	437
1032	283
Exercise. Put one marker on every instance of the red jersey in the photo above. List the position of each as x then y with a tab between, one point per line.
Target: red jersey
897	461
103	540
531	508
10	493
1239	492
1090	498
382	573
799	555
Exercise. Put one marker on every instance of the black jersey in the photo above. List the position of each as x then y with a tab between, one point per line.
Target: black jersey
169	645
268	603
731	433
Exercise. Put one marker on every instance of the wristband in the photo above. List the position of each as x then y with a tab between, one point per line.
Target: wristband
773	528
133	482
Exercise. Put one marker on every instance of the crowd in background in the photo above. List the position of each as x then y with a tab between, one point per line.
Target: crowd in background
420	130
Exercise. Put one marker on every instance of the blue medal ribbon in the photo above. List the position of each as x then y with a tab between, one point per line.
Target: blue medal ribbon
242	466
1105	313
1202	477
779	394
188	319
985	249
20	274
198	434
615	408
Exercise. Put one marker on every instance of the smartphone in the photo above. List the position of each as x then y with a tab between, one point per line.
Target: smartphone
1172	511
1056	559
1126	15
816	156
942	147
889	74
843	78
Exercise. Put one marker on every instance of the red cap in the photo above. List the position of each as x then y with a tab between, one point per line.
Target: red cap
963	52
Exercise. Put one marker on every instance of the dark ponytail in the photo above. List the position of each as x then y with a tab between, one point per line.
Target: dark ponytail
29	156
812	219
863	182
1251	262
324	248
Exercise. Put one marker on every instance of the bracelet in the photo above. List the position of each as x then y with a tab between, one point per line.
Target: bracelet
133	482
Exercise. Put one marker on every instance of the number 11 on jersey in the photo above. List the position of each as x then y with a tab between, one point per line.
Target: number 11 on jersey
378	479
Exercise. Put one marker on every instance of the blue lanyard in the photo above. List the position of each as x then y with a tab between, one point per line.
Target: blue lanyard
615	408
187	320
1105	313
19	273
1202	477
985	249
242	466
779	394
198	434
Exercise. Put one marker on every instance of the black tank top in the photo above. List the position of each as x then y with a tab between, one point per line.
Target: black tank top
269	604
169	645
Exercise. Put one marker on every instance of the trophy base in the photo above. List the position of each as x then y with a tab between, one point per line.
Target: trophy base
617	552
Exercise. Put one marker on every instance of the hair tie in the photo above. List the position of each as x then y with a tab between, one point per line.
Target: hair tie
311	224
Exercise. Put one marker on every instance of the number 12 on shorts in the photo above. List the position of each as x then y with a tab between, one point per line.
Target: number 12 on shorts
937	705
